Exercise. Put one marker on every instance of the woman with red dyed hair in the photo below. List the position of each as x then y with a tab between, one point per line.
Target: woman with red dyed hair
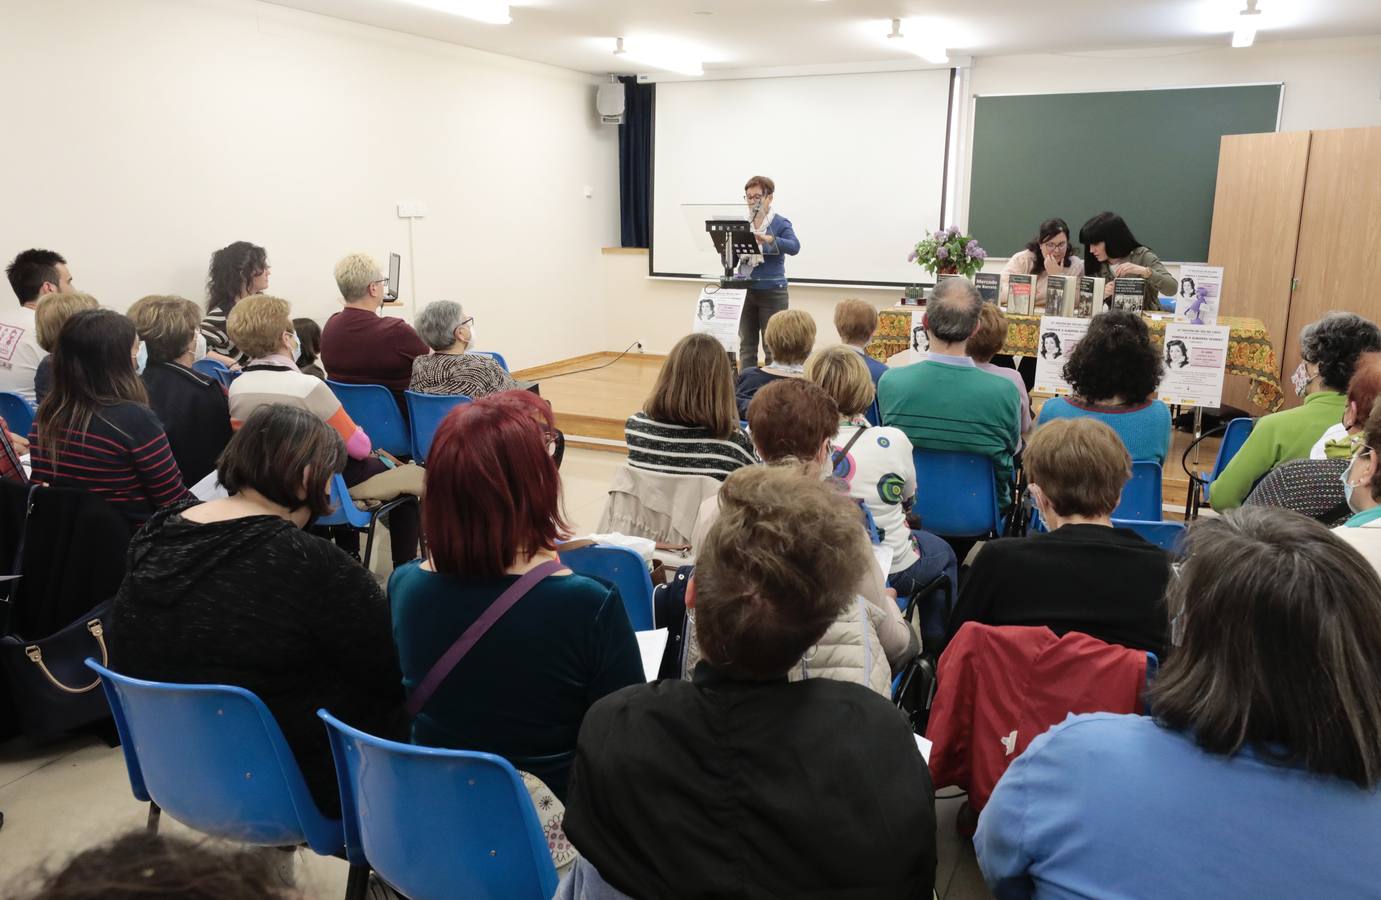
492	514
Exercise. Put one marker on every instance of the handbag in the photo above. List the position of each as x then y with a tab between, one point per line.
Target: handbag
52	688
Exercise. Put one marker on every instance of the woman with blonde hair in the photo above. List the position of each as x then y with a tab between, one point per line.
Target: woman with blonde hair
689	423
789	336
51	311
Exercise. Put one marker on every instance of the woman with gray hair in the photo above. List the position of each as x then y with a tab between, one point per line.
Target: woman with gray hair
1329	349
449	369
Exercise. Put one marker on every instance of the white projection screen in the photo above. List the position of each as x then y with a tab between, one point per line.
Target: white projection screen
858	160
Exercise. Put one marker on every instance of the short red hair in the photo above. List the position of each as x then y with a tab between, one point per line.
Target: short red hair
493	493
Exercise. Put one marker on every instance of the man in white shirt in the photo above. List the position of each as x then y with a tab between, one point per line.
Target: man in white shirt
32	274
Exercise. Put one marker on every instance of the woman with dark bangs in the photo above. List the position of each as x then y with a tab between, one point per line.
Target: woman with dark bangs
492	515
1111	251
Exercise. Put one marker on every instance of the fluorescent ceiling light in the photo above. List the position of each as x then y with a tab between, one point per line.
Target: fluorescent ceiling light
1245	33
659	56
495	12
928	48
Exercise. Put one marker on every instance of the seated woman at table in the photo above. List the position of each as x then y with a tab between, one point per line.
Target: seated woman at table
449	369
1329	350
1049	254
1114	372
1110	251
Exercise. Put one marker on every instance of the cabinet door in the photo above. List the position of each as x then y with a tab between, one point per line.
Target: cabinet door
1338	264
1256	227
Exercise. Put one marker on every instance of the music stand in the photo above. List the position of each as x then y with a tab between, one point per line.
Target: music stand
733	238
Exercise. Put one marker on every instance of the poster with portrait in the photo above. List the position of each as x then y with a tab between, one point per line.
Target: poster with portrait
1201	289
920	342
1196	357
717	311
1058	337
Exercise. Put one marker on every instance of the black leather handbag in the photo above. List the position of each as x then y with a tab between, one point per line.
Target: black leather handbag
52	689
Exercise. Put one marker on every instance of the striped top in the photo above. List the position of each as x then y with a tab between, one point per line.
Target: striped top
218	339
123	456
685	449
263	383
470	374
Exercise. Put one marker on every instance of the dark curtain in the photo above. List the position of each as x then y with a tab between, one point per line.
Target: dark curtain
635	163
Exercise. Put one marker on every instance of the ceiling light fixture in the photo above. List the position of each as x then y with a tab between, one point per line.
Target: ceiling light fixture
659	57
928	49
494	12
1245	33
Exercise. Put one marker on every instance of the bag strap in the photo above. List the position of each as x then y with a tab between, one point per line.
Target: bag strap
452	657
844	451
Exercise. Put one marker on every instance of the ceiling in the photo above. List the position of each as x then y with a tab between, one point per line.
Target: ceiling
750	34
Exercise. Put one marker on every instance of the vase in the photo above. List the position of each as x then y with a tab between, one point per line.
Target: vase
948	269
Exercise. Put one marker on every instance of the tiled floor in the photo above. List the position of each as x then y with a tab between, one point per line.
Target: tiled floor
66	796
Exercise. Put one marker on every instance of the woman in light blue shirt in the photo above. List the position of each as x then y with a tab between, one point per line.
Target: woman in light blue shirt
1258	775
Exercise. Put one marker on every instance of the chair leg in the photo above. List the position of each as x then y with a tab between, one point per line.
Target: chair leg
357	884
369	540
154	815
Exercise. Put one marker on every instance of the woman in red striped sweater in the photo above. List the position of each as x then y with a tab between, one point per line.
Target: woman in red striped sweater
95	430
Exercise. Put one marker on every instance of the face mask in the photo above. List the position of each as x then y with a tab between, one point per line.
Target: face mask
141	359
1348	487
296	348
471	342
199	350
1301	379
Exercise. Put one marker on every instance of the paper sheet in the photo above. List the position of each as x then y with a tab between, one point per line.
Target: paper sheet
882	555
652	644
924	746
209	488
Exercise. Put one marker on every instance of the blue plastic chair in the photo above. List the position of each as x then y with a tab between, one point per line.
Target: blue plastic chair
347	513
497	357
956	495
437	824
213	757
17	412
1166	535
217	370
1141	495
425	412
625	569
373	408
1234	436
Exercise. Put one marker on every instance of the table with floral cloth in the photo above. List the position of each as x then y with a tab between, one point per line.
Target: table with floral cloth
1250	352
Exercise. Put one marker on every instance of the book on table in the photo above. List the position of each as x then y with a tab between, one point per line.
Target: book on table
1129	294
1089	298
989	285
1061	295
1021	295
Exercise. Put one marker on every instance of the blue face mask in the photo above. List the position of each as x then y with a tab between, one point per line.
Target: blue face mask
142	359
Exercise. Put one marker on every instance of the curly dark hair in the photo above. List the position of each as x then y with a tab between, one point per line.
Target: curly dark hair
1334	342
1115	359
232	269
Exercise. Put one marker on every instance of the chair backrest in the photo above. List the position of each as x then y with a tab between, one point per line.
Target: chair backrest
625	569
425	412
17	412
373	408
1166	535
345	511
956	495
1141	495
439	823
212	757
497	357
1234	437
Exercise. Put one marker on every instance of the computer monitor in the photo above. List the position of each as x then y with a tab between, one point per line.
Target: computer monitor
395	265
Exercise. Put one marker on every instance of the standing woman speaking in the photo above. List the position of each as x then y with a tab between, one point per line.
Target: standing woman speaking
1110	251
767	271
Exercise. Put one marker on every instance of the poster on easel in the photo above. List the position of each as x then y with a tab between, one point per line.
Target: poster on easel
717	311
919	344
1058	337
1200	292
1196	358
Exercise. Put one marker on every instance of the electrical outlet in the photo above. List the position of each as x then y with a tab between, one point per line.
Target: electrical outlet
411	210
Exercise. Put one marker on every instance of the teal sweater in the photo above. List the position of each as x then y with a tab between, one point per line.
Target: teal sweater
1277	438
956	408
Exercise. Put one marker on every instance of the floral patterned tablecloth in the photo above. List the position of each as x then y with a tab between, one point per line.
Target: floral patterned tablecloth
1250	352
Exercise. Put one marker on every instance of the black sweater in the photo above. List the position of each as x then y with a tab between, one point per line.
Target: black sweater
194	412
1104	582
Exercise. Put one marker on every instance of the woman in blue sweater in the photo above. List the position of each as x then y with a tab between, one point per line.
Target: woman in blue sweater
1114	372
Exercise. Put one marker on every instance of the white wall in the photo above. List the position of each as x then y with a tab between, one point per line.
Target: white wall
147	133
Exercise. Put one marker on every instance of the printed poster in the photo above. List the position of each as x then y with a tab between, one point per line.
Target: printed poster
717	312
1201	289
1059	335
1196	357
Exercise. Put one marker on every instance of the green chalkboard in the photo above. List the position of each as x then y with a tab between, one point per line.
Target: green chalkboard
1150	156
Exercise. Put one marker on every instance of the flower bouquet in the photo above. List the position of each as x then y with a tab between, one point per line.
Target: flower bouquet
949	252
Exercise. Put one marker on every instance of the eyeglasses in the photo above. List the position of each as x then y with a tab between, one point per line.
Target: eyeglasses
1062	245
470	320
753	198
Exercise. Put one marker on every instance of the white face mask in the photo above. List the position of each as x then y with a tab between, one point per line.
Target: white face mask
471	328
142	358
199	348
296	350
1349	486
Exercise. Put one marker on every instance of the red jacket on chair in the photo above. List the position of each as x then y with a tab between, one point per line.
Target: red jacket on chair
998	687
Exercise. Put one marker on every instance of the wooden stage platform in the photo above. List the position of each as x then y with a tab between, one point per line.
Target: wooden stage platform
596	393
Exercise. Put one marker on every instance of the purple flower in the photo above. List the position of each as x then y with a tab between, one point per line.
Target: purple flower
980	253
911	257
939	236
942	253
971	247
953	231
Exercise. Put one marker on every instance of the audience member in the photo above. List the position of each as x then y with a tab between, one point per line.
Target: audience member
1114	372
309	340
876	467
945	402
50	313
983	346
1361	481
262	327
787	343
139	865
233	591
856	321
1343	438
192	406
32	274
449	369
237	271
492	514
359	346
1329	349
95	431
718	786
689	424
1258	775
540	411
1084	574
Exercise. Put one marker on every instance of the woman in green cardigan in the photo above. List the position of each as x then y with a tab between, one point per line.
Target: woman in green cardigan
1110	251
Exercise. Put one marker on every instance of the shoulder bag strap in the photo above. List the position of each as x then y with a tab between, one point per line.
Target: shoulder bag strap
844	451
452	657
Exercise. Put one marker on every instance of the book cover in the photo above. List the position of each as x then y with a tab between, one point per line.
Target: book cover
1129	294
1200	292
1090	297
1021	294
989	285
1061	295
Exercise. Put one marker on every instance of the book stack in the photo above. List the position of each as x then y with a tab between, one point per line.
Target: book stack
1021	295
